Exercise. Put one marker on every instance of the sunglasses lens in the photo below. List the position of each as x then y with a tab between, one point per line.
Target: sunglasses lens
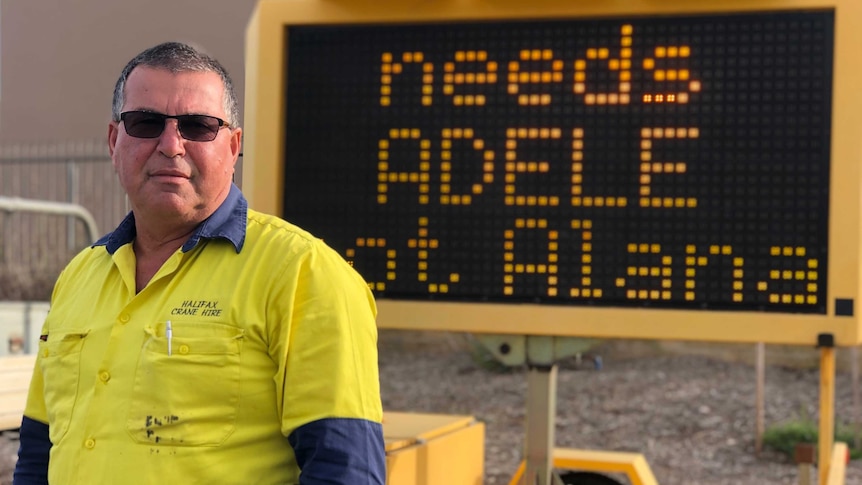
198	127
143	125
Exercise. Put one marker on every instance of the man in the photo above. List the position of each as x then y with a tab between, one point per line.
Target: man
200	342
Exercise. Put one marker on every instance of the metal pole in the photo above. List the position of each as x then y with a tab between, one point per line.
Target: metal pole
541	417
759	400
857	402
827	408
28	321
72	190
804	473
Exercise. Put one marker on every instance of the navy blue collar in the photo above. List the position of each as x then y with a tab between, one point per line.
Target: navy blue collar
227	222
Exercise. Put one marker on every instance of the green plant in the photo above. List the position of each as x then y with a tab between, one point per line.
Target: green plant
786	436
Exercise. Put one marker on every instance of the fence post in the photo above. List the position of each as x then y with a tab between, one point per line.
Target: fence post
72	191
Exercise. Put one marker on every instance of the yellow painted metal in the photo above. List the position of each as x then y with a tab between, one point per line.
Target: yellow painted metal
433	449
838	465
422	427
264	154
614	322
634	465
826	432
263	147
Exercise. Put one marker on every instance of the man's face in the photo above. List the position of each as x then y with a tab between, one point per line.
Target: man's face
168	177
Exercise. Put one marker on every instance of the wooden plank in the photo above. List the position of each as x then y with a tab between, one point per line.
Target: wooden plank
11	383
13	401
15	374
10	421
11	410
12	376
9	362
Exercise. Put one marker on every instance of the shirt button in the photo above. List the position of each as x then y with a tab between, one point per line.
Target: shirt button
184	349
124	318
90	444
104	376
46	353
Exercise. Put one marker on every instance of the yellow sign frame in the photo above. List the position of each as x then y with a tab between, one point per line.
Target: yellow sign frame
264	153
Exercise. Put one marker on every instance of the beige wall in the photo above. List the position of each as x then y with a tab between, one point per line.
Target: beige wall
59	59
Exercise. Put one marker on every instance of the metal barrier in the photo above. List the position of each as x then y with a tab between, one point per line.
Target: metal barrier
17	204
34	247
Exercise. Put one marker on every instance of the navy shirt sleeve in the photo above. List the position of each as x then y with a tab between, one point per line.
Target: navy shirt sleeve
32	465
340	451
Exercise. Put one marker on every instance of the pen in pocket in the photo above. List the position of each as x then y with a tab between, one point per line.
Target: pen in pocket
169	333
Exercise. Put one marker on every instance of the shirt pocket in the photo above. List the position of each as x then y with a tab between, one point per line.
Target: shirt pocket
60	362
191	397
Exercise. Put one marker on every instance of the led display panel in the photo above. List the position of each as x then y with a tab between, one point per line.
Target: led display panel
678	162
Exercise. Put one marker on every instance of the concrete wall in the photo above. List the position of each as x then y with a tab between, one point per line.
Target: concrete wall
59	59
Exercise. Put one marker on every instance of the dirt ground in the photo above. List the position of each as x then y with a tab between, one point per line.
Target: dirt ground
689	408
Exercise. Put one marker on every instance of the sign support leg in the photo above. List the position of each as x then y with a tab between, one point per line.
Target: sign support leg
827	406
541	417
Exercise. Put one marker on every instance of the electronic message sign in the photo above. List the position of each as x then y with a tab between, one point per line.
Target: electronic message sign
632	169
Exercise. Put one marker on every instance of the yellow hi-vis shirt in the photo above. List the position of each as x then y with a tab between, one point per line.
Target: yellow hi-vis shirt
267	334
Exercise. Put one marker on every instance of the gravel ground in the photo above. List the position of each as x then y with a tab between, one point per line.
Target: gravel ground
692	416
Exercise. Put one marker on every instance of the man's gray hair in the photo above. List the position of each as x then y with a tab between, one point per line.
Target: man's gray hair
177	57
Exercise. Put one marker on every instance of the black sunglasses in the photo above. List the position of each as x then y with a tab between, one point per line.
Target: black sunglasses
146	124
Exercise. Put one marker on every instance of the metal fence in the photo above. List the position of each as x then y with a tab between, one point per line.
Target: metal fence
34	247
